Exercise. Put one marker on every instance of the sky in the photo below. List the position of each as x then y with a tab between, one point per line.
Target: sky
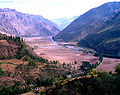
53	9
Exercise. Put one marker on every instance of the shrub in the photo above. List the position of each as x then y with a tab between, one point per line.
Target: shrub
117	68
31	63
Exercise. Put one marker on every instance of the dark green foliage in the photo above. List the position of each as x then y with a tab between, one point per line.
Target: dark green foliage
53	62
68	72
1	72
117	68
46	82
30	81
103	84
2	57
31	63
85	67
13	90
100	58
75	62
53	66
107	55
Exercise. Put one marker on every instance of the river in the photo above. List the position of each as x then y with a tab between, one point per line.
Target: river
67	46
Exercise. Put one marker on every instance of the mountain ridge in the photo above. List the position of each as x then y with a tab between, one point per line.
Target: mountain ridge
107	38
87	23
22	24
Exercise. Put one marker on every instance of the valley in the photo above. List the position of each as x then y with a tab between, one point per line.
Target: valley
78	55
46	48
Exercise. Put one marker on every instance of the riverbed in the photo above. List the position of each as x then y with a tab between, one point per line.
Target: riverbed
50	50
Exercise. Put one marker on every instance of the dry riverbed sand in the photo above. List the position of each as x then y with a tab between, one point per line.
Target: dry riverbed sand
45	48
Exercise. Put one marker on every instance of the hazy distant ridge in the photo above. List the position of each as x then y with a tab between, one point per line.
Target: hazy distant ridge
63	22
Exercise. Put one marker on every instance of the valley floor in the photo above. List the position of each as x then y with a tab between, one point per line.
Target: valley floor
47	49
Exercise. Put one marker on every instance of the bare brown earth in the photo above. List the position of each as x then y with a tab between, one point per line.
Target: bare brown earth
45	48
9	65
51	51
29	93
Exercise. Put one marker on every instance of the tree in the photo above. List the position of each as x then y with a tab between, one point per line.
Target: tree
75	62
85	67
100	58
31	63
117	68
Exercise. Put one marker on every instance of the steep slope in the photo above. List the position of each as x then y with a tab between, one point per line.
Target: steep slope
87	23
107	38
103	83
62	23
14	47
21	24
8	46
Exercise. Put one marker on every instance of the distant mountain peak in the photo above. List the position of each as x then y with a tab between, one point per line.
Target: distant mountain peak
63	22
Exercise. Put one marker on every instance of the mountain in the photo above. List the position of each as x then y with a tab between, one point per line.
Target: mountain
14	47
63	22
21	24
107	38
8	48
87	23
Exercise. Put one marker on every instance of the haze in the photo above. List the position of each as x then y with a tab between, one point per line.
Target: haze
53	9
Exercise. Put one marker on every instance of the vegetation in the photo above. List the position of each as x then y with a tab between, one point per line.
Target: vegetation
67	79
22	50
117	69
31	63
106	38
107	55
46	82
1	72
14	90
100	83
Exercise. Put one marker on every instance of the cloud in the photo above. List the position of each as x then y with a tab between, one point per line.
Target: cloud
6	1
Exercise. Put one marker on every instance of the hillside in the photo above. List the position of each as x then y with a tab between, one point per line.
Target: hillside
21	24
15	48
21	70
8	46
62	23
107	38
87	23
102	83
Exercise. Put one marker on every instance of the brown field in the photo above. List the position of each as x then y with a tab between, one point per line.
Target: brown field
29	93
52	51
9	65
47	49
